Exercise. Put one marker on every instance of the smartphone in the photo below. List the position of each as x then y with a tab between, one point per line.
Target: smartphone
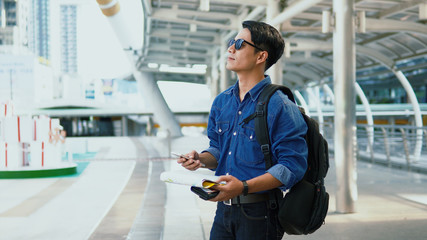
180	155
183	156
204	194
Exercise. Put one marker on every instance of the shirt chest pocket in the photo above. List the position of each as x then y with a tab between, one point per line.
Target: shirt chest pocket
248	133
250	151
222	127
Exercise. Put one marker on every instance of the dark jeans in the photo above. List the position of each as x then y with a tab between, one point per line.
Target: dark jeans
253	221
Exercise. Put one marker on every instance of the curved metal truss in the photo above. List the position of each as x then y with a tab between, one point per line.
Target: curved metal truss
182	33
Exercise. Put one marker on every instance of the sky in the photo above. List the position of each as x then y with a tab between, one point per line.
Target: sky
100	52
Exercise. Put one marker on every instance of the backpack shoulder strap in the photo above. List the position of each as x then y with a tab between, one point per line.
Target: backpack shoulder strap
261	111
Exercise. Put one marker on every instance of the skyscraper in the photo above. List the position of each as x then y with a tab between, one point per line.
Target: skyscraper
13	23
68	29
39	30
53	34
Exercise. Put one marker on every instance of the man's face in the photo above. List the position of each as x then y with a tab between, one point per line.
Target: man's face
245	58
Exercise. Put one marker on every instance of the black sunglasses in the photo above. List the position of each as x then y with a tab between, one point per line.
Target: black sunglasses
239	43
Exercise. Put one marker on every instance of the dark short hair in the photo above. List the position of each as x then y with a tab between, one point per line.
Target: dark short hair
268	38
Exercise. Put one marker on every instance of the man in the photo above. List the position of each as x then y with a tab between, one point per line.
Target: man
243	210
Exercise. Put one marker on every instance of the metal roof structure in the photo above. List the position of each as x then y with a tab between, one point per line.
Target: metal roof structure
391	34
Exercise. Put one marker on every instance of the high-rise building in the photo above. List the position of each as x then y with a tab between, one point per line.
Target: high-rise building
68	38
14	23
53	34
39	30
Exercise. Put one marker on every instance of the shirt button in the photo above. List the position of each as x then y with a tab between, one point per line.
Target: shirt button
220	130
234	133
229	153
240	112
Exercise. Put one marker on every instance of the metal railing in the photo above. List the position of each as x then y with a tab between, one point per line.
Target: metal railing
387	144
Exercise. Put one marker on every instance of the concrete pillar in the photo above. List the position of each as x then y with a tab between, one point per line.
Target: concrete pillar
133	40
223	82
124	126
214	84
344	53
151	93
275	71
315	99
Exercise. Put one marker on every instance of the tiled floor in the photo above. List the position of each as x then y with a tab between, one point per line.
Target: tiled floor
120	196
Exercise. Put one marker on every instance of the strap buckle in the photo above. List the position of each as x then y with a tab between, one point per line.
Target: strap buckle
265	148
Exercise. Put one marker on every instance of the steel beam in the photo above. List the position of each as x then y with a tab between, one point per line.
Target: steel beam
295	8
417	112
302	101
369	117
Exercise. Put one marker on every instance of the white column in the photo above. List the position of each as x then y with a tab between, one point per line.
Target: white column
316	101
223	81
151	93
124	126
275	71
417	112
146	83
214	75
344	54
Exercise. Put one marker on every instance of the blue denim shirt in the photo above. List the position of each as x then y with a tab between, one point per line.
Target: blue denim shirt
235	146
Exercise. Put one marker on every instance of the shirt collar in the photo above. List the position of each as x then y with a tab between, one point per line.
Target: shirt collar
255	91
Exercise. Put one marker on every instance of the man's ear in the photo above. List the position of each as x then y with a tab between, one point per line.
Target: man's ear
262	57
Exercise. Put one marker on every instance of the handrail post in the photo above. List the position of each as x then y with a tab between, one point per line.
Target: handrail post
370	147
386	145
405	147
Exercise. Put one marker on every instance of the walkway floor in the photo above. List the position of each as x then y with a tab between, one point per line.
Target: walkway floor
119	196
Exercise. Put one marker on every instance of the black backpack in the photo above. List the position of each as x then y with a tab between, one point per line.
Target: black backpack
304	207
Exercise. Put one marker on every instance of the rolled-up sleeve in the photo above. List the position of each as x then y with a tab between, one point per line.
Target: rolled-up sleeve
287	130
214	151
284	175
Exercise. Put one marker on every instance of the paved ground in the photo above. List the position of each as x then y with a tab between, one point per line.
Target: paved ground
119	196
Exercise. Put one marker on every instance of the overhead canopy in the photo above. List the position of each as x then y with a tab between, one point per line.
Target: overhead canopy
182	33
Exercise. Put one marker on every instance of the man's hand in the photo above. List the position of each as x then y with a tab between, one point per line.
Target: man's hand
192	163
232	188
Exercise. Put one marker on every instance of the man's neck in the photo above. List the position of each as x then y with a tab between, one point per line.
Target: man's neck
247	82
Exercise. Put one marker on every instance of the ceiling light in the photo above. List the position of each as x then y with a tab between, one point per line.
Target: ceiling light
153	65
204	5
